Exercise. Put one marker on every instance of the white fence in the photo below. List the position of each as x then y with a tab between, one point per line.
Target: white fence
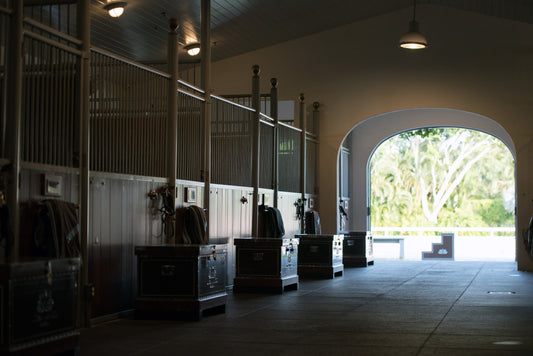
470	244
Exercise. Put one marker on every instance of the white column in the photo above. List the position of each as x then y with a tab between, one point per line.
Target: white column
172	138
205	51
256	105
84	30
275	138
303	155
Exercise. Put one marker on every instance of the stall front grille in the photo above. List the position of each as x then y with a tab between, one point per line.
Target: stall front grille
4	36
289	158
311	166
246	100
128	114
312	125
50	109
129	119
231	143
190	137
59	16
266	155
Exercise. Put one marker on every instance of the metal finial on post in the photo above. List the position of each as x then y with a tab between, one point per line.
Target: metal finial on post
316	113
274	82
301	117
173	24
255	69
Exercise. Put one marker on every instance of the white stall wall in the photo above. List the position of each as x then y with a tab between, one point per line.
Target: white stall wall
122	216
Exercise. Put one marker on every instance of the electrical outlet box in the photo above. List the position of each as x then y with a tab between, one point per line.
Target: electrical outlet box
52	185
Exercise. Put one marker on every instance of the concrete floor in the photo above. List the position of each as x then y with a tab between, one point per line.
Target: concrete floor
391	308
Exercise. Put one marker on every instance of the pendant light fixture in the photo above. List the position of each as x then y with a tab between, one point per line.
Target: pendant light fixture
192	49
413	39
115	8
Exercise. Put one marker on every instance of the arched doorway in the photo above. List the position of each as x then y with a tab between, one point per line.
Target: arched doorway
443	183
367	135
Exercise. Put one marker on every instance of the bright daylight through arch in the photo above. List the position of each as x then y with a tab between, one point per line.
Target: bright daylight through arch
434	181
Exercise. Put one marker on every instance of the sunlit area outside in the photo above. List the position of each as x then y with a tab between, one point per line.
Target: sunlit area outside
444	193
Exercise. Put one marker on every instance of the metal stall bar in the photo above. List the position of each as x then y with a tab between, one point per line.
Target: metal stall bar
128	62
52	42
289	158
53	129
311	165
14	107
61	147
47	108
246	100
172	137
129	116
186	87
266	147
312	152
189	137
30	94
275	138
56	13
52	31
303	160
84	31
4	35
312	128
118	97
206	112
255	132
231	141
303	127
136	159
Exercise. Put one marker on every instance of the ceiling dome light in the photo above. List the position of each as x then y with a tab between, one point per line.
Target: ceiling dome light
115	8
192	49
413	39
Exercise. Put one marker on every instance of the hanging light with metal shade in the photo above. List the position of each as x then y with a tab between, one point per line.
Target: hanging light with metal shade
115	8
413	39
192	49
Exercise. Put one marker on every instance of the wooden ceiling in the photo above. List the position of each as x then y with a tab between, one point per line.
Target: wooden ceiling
240	26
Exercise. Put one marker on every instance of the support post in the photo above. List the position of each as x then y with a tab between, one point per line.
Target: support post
275	151
303	159
316	117
13	128
316	127
84	30
255	148
205	51
172	138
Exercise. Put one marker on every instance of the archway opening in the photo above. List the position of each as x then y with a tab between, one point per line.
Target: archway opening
359	144
442	193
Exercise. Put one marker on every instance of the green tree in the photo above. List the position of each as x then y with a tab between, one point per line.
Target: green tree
442	177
